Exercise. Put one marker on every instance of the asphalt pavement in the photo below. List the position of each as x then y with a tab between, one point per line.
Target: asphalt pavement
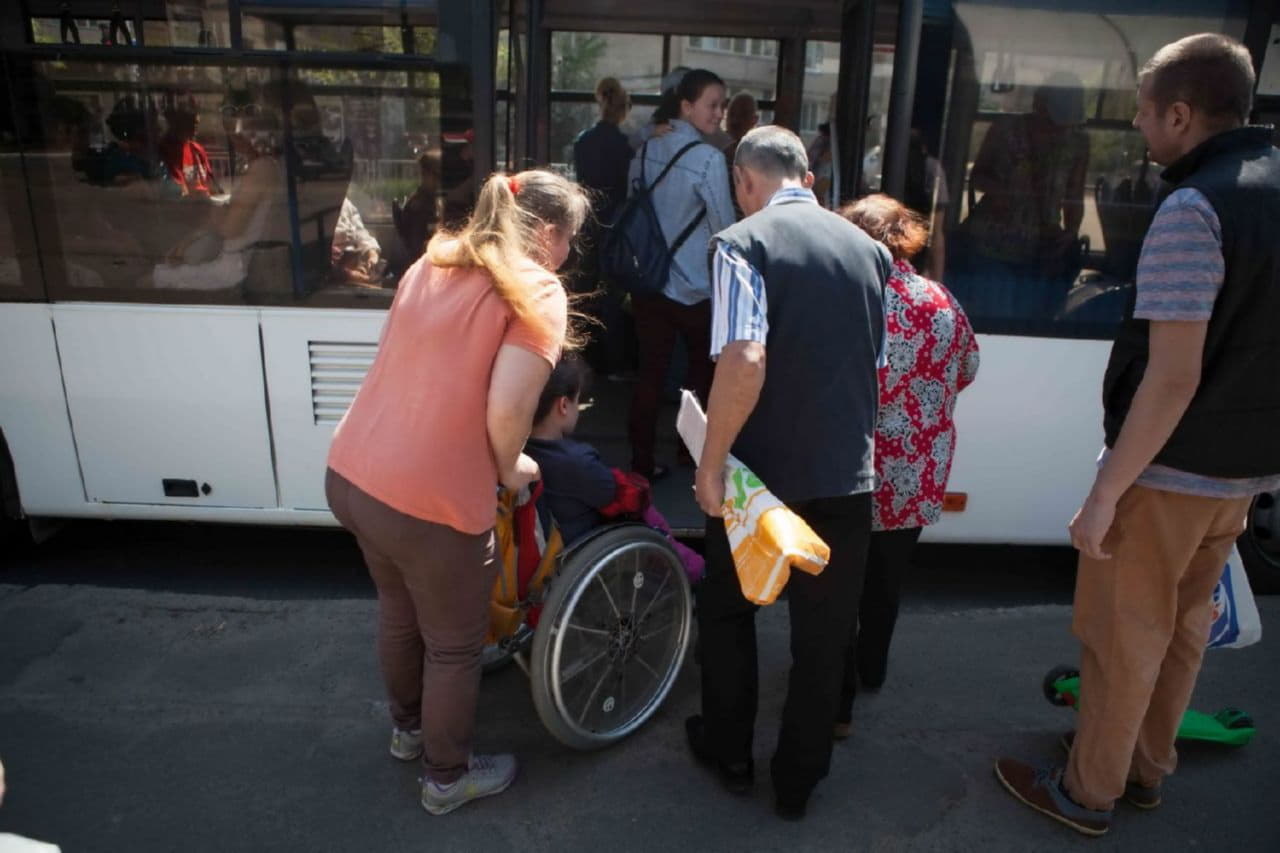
169	687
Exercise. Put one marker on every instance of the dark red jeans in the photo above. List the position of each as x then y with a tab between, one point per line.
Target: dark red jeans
658	321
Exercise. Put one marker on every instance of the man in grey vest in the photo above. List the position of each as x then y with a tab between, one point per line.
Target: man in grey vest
1192	411
801	287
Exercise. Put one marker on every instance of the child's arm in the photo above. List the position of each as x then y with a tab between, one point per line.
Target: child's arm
607	490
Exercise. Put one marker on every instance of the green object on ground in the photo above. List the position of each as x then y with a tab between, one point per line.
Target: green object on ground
1229	726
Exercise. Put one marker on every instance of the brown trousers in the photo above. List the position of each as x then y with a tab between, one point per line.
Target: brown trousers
433	586
1143	619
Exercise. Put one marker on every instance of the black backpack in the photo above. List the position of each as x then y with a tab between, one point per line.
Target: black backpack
633	252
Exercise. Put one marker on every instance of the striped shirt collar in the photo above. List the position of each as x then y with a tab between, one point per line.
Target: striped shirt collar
792	194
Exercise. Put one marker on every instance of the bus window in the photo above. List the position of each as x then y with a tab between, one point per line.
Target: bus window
579	60
151	180
387	27
1051	187
171	23
172	183
821	73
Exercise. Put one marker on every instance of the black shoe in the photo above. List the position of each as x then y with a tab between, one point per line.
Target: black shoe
737	778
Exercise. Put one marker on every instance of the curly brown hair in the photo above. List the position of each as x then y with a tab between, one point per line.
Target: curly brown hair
891	222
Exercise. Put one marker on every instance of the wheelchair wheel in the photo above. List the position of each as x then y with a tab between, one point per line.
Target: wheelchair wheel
611	638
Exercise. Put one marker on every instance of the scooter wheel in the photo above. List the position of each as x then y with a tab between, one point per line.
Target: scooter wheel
1234	718
1051	679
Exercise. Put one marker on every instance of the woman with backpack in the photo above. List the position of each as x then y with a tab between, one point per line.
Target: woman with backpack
692	202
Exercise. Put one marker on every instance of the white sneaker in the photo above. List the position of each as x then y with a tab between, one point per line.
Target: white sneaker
406	744
486	775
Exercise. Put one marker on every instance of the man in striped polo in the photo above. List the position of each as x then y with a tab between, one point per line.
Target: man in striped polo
1192	409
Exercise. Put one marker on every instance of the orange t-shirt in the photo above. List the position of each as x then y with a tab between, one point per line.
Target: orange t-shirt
416	435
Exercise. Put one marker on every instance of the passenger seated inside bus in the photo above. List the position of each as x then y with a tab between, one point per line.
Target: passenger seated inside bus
252	230
185	160
417	218
583	492
1019	250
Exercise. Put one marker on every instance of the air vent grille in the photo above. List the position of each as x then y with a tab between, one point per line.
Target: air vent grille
337	369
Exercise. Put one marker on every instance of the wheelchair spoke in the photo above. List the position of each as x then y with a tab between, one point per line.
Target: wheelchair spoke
635	590
644	663
666	577
586	706
582	667
608	595
584	629
661	629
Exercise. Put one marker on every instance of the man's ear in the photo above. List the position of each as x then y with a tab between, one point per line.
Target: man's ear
1180	112
562	405
807	181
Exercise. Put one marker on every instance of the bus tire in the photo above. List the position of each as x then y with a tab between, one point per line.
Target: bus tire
1259	545
15	533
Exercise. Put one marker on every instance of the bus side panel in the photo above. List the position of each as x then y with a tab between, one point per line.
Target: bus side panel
33	412
167	404
1028	434
315	361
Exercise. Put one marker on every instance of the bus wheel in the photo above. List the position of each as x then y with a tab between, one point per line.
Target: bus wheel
1260	543
15	533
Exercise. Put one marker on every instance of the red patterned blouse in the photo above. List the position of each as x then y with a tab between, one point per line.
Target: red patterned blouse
932	354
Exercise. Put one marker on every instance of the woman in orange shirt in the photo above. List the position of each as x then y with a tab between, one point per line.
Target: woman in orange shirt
439	422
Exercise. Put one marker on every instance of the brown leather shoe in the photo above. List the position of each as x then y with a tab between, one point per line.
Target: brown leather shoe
1135	794
1041	789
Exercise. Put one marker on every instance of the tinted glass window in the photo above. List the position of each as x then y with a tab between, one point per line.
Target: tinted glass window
1048	188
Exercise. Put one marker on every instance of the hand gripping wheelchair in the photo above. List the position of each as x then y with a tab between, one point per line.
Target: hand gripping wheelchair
601	628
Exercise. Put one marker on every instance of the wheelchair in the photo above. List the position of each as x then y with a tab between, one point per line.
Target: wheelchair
601	628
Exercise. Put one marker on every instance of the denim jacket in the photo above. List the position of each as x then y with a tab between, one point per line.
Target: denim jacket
700	180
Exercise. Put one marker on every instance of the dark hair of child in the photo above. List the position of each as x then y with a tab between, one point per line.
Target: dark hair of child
568	379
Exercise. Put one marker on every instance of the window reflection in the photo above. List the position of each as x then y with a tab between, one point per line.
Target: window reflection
204	184
171	23
389	27
1052	189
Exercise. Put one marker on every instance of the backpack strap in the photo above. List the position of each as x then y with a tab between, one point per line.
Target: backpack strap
688	229
669	165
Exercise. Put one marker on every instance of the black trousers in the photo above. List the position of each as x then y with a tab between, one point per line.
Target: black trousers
866	659
823	609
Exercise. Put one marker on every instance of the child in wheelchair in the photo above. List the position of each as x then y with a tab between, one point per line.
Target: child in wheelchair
581	491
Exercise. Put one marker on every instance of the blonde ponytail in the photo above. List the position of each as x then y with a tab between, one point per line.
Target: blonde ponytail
502	235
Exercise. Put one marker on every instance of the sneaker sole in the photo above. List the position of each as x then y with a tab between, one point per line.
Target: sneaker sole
406	756
1065	821
1065	743
445	809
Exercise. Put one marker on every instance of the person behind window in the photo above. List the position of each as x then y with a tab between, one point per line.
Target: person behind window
255	220
695	191
437	425
601	157
931	356
130	156
420	215
602	154
185	160
926	193
1023	233
742	115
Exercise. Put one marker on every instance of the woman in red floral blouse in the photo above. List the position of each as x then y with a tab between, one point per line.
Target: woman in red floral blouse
931	355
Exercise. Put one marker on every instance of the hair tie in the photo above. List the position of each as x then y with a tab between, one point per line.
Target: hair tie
513	185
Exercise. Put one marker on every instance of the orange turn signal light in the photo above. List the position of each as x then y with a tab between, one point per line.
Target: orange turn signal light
955	501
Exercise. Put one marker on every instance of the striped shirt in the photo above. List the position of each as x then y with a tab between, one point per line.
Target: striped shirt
739	304
1180	272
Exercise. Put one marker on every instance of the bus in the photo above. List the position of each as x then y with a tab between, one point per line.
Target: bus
208	203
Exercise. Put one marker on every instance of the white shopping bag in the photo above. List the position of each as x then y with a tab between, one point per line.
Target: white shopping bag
1235	614
767	539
